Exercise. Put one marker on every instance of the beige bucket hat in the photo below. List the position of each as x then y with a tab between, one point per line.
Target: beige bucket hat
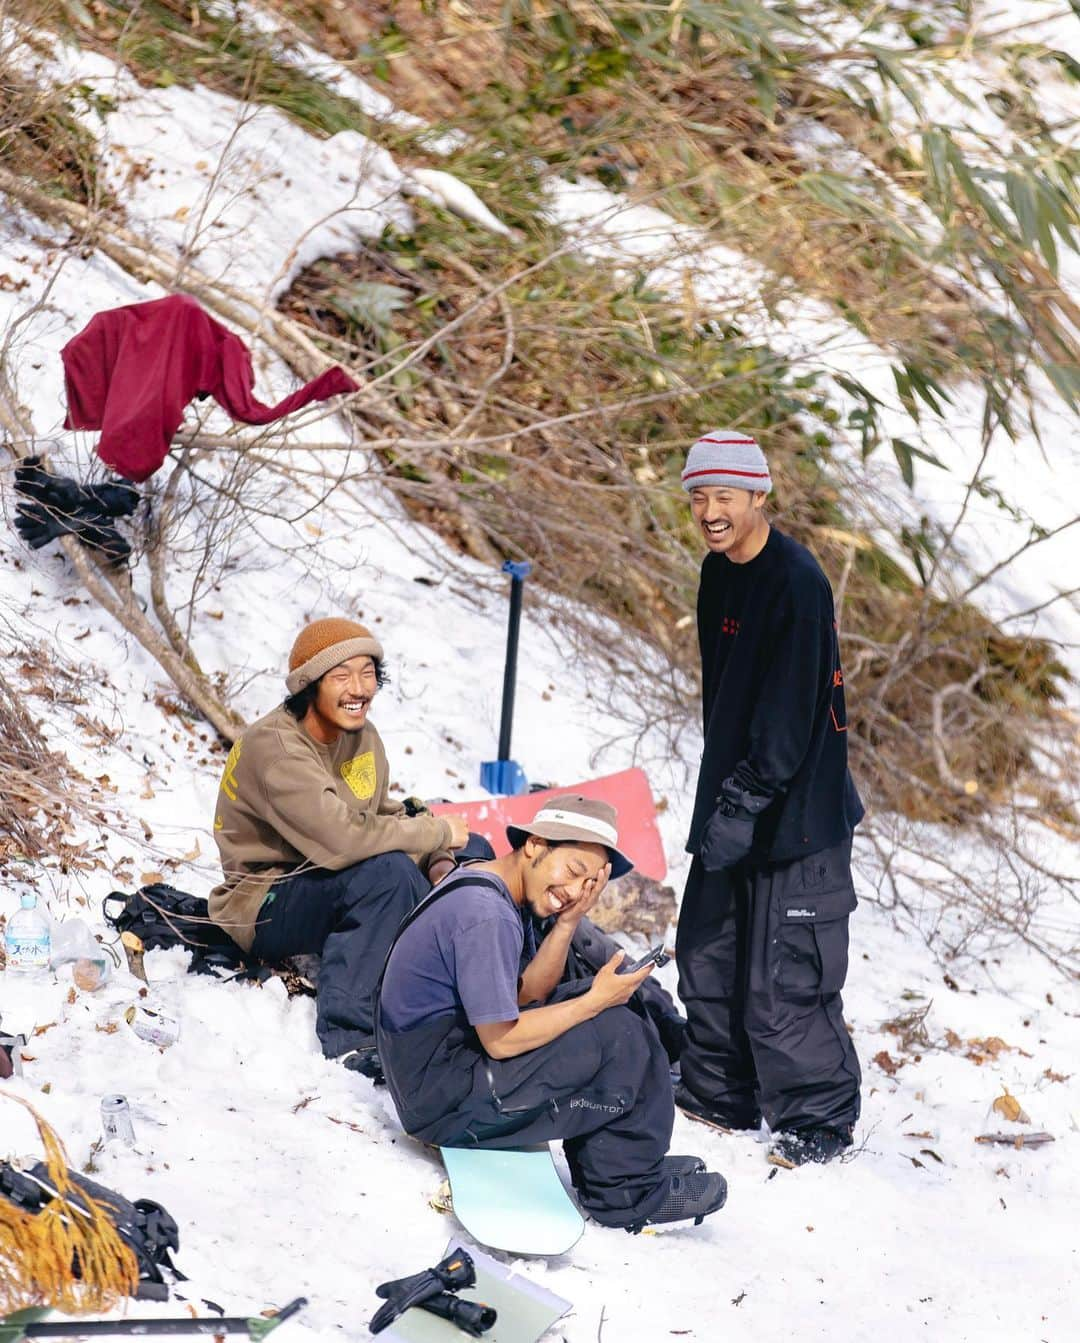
573	817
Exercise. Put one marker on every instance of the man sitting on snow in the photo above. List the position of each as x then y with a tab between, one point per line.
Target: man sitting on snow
316	857
467	1066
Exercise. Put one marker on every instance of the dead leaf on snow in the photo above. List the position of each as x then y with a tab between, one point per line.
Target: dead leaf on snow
979	1051
1052	1076
1010	1108
347	1123
442	1200
887	1063
150	878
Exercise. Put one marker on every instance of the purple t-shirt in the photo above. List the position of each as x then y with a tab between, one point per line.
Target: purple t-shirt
463	957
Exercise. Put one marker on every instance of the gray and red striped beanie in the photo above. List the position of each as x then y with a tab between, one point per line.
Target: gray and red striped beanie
726	457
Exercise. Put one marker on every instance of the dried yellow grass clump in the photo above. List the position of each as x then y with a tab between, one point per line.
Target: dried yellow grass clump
38	1252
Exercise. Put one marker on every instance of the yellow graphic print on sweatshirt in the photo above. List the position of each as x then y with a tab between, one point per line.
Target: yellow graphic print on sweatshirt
359	774
229	785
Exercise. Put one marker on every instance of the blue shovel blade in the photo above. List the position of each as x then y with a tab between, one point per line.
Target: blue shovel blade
505	778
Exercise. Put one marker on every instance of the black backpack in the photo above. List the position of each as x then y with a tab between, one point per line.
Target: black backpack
145	1227
161	916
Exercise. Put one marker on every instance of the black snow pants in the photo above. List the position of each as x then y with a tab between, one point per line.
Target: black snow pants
603	1088
349	918
762	955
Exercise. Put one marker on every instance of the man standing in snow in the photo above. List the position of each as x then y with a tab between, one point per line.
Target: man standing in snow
762	942
316	857
482	1046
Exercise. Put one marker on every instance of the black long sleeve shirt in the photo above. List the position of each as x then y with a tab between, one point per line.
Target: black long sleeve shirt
773	700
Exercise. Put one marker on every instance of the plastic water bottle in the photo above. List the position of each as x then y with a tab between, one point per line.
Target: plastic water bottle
27	941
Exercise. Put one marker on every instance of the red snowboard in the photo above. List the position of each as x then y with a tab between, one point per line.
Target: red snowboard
628	792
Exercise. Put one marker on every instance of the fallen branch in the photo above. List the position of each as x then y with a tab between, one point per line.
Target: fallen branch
1017	1140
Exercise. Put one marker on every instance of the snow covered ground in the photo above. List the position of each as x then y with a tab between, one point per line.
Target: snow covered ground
288	1175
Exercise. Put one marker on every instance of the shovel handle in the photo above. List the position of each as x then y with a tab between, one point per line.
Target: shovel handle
518	570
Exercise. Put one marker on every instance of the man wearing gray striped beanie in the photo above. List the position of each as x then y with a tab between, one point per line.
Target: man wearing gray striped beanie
763	927
728	479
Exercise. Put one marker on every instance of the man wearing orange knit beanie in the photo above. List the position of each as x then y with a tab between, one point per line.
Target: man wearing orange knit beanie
316	857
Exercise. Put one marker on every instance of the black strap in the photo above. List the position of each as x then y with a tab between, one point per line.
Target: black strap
454	882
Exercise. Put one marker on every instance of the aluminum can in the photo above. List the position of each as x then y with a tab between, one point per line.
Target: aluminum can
158	1028
116	1120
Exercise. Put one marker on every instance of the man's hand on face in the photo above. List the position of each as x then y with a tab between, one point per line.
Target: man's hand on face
459	831
591	892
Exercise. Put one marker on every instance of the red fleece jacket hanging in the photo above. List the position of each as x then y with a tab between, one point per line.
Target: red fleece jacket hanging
131	371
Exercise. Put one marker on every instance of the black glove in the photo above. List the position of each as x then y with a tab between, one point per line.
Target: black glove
33	480
729	832
54	506
450	1275
38	524
471	1317
111	499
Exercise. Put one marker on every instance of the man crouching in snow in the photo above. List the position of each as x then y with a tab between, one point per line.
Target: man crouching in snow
316	857
467	1067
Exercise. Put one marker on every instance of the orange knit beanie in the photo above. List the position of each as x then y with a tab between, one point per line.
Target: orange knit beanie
324	644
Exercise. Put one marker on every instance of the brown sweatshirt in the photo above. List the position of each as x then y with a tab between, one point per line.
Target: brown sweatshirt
288	802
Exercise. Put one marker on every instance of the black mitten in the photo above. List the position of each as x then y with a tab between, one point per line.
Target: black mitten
728	836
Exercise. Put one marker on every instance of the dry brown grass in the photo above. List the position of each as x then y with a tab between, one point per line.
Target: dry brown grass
69	1257
553	426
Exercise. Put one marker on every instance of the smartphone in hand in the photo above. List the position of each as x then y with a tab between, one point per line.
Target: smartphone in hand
654	956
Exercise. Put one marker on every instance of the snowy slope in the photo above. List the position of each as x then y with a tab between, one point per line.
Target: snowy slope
287	1174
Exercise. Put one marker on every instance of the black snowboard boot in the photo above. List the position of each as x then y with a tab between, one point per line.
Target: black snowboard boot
693	1105
688	1197
683	1165
802	1146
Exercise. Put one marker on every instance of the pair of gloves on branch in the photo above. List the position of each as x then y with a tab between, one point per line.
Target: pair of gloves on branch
728	836
51	506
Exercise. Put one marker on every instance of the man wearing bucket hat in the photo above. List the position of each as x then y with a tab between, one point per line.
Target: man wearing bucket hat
316	856
762	942
482	1046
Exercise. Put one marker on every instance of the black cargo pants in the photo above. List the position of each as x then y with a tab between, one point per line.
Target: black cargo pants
604	1088
762	955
